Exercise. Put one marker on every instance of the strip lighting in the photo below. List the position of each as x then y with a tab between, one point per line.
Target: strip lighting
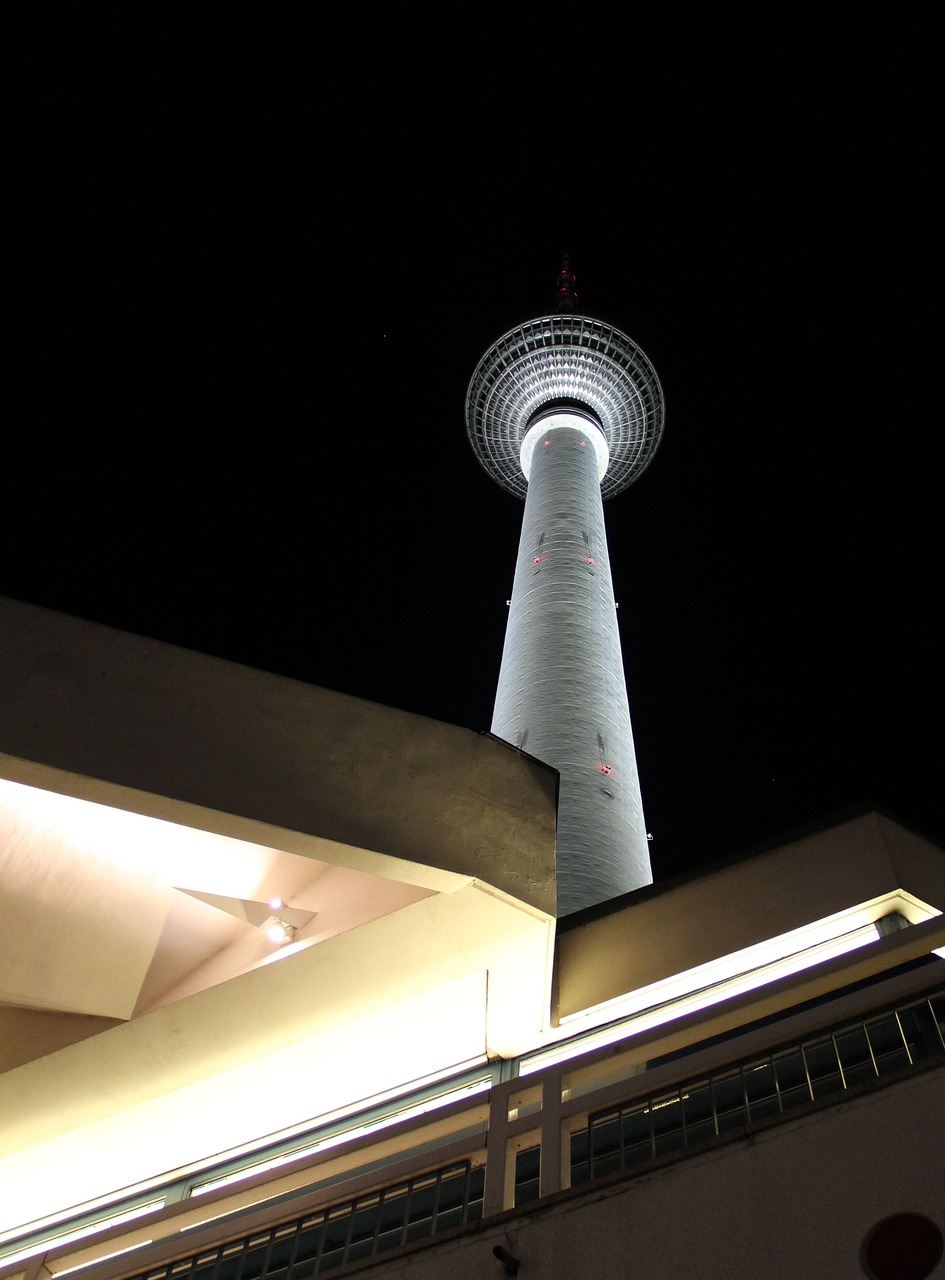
77	1233
711	983
346	1135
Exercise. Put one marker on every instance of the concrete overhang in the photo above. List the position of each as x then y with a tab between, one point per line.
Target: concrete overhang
850	873
150	799
122	720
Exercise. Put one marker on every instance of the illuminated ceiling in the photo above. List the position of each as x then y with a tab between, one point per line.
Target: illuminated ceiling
99	916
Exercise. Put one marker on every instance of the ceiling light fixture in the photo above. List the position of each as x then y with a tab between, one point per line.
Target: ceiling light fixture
281	932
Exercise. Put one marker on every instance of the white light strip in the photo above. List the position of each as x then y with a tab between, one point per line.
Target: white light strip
77	1233
685	999
42	1242
346	1135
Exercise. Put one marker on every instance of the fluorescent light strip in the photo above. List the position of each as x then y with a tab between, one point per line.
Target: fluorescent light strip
77	1233
346	1135
687	999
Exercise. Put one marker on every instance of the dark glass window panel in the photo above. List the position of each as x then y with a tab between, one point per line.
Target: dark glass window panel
889	1050
247	1265
729	1102
389	1239
921	1032
474	1210
527	1168
422	1200
938	1008
390	1226
232	1259
309	1238
394	1204
823	1067
791	1075
363	1227
452	1191
667	1117
420	1210
580	1166
447	1218
605	1145
364	1219
636	1135
698	1113
477	1183
335	1239
855	1057
761	1089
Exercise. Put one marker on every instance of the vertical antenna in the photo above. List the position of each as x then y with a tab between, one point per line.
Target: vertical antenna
565	290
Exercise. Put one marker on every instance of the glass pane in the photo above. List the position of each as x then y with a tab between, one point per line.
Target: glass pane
938	1008
365	1218
667	1123
452	1193
636	1135
823	1067
393	1207
761	1089
390	1218
729	1102
605	1145
309	1239
527	1165
580	1171
363	1224
921	1031
280	1255
855	1057
792	1079
422	1197
336	1235
447	1218
420	1212
887	1043
697	1109
233	1256
477	1182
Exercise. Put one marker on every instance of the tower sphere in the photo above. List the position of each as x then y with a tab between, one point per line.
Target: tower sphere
569	360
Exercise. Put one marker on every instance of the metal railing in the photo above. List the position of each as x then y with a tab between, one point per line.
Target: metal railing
530	1137
707	1108
321	1242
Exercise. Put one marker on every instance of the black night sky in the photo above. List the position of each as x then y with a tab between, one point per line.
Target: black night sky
253	269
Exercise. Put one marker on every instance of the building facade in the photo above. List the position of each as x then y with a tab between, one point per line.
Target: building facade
738	1074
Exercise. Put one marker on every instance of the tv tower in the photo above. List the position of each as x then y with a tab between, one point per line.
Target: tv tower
565	411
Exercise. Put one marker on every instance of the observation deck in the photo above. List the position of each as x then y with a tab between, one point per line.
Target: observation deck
570	360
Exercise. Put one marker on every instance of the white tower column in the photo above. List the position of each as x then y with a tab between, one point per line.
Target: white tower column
566	411
562	695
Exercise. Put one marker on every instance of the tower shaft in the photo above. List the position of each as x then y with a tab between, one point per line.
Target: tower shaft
562	694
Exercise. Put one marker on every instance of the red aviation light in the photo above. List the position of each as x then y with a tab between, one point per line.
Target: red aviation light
589	560
605	768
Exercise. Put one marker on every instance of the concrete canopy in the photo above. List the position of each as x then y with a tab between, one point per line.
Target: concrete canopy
152	801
